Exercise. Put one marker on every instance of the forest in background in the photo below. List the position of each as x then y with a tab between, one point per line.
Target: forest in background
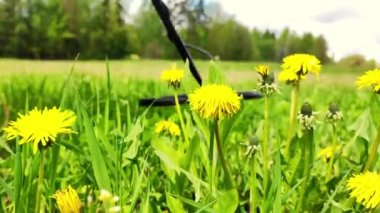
60	29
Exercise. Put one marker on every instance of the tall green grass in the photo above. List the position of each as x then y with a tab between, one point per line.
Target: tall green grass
115	148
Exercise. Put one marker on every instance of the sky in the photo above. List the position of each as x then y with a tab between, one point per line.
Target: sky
349	26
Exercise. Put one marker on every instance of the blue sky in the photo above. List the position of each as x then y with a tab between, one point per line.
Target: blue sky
349	26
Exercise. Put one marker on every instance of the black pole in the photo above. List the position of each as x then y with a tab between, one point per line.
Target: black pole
164	13
182	99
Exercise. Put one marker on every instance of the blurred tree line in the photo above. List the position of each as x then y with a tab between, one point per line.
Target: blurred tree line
60	29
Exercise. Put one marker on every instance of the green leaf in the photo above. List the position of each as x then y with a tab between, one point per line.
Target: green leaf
97	160
137	184
227	201
199	206
174	204
135	131
215	75
146	204
363	126
295	163
170	157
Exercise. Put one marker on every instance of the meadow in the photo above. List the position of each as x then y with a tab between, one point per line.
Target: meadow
116	160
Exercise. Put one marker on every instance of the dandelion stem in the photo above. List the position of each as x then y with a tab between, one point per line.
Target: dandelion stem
373	152
40	182
331	163
221	156
293	116
253	194
265	145
307	140
211	161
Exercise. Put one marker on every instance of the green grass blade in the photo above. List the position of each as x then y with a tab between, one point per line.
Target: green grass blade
108	99
277	180
199	206
18	178
138	185
97	160
337	189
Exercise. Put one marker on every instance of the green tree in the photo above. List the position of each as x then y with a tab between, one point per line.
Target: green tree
230	40
321	49
307	43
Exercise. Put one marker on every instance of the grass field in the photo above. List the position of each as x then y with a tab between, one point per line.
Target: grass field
236	72
115	145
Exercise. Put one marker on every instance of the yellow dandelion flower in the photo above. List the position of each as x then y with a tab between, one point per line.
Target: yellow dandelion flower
327	152
167	126
289	76
263	70
215	101
67	200
296	66
365	188
370	78
41	126
173	77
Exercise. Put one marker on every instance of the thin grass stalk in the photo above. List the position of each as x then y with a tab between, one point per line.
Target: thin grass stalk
221	156
373	153
40	182
25	154
18	177
118	151
265	145
53	164
293	116
185	145
108	99
181	121
330	170
277	179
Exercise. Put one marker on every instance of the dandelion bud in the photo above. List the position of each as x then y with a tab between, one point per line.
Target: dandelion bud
266	84
333	114
90	199
270	78
105	195
116	198
252	145
306	116
306	109
114	209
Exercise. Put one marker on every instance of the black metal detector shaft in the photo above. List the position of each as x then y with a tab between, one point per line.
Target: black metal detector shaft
163	11
182	99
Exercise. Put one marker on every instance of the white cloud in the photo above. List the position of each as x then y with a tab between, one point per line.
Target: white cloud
348	26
